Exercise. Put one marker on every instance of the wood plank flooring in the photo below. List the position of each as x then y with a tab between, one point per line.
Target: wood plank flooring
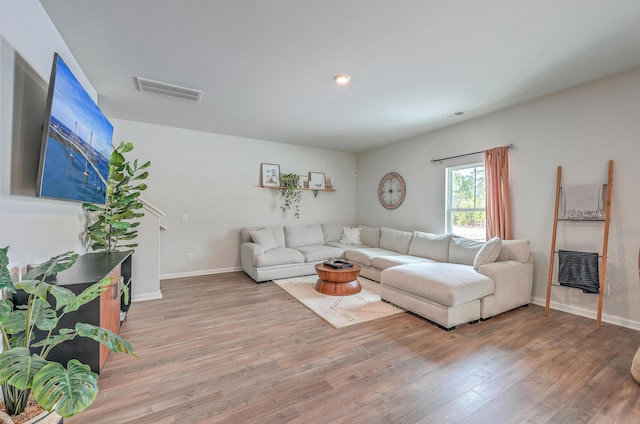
222	349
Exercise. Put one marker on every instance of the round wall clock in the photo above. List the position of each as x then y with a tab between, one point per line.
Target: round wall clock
391	190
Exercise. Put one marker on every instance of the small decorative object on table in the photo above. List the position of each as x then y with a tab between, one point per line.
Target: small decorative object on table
337	264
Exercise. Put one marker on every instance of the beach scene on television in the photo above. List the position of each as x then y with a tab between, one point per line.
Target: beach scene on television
78	146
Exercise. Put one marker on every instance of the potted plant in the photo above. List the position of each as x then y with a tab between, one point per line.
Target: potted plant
112	226
291	192
24	368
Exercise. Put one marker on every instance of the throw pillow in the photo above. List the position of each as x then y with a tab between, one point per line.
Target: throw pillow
264	238
514	250
350	236
488	253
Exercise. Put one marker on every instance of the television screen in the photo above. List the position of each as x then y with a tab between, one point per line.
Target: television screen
76	144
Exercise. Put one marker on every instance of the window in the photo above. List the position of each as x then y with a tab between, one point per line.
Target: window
466	201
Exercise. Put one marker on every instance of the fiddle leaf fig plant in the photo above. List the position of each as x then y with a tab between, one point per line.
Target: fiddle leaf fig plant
291	192
113	229
24	368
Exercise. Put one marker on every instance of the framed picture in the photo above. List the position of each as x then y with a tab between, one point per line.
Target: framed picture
304	181
316	180
269	175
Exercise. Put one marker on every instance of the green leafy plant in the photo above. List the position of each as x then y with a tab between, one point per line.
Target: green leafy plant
291	192
113	228
68	389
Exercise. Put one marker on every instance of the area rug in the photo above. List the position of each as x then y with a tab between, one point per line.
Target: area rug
340	311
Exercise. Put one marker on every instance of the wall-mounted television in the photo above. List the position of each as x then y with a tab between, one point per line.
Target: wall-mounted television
76	141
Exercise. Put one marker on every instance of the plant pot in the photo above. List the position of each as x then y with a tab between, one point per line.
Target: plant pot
46	418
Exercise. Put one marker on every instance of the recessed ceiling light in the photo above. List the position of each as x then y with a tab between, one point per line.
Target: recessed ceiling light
342	79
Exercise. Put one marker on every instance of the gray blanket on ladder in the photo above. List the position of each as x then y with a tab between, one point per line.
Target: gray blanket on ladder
579	270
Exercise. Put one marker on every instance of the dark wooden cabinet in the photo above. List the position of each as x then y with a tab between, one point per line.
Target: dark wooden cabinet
107	311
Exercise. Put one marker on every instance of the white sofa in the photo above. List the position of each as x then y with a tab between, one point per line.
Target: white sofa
268	253
444	278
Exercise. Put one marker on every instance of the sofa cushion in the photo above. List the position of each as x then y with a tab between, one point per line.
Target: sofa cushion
299	235
384	262
432	246
514	250
346	246
350	236
319	252
365	256
463	250
395	240
332	232
488	253
445	283
278	234
264	238
278	256
370	236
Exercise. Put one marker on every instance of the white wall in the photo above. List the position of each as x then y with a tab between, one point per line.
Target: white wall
214	180
579	129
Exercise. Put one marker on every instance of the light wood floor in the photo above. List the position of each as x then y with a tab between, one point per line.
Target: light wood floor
222	349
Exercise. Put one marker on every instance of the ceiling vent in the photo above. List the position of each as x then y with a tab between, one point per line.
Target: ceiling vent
168	89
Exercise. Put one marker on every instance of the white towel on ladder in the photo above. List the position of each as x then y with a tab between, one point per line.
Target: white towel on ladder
582	202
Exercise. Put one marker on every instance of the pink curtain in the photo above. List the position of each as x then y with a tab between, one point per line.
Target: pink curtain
498	198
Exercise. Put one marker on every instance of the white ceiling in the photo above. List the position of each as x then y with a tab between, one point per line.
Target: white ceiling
266	67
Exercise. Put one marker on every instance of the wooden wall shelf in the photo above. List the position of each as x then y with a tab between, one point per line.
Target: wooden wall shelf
315	190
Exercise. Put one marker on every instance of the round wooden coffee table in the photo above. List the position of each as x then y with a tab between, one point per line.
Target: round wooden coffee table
338	282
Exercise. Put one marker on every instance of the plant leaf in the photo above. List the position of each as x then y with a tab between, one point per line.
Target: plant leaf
105	337
88	294
64	335
34	287
62	295
54	265
5	276
6	307
15	322
18	367
128	146
67	391
42	315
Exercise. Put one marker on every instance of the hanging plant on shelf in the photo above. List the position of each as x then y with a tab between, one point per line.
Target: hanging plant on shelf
291	191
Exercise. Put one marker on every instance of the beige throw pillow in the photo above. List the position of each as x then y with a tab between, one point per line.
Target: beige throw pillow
350	236
514	250
488	253
264	238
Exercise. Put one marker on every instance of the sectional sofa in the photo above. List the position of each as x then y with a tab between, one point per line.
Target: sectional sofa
444	278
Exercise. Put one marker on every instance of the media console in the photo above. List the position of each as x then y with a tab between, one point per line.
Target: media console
107	311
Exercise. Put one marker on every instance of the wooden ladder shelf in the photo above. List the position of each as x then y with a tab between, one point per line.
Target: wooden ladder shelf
605	241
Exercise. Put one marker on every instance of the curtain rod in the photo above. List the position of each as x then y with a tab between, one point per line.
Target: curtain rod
510	146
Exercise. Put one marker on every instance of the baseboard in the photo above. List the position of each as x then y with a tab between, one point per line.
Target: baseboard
146	296
199	273
588	313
